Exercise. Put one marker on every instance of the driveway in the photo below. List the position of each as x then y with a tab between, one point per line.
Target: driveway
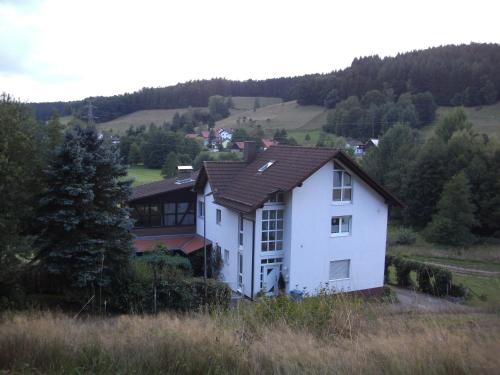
410	300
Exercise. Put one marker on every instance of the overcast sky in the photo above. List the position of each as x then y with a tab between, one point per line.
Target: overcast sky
71	49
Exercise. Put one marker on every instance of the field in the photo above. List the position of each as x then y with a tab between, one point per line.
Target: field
288	115
321	335
144	175
138	118
486	119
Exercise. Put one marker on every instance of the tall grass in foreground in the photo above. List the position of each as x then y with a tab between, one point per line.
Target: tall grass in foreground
272	337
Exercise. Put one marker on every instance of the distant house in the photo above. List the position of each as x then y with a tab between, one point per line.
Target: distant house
237	146
361	149
311	215
266	143
223	134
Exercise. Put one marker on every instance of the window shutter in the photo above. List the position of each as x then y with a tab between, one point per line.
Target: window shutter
339	269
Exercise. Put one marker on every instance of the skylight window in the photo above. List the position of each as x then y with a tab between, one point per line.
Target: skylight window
266	166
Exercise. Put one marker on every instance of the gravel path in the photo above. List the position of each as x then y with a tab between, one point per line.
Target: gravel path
465	271
410	300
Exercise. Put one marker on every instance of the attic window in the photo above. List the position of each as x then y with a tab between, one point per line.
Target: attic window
266	166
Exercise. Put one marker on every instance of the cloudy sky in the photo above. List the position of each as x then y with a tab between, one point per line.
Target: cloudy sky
71	49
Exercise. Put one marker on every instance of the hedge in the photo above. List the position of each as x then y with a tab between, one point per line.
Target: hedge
430	279
182	294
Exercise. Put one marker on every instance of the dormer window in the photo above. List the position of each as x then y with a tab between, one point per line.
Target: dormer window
277	198
342	184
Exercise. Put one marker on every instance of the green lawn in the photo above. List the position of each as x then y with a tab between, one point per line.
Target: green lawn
484	291
144	175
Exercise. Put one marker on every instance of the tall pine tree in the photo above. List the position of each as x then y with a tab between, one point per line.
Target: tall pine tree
85	242
453	222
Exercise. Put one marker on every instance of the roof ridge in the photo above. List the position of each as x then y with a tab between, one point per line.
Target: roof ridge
305	147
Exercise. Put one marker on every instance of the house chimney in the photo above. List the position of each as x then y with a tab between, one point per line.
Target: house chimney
249	151
184	174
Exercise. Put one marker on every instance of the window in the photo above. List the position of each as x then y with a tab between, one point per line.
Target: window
341	225
226	256
340	269
272	230
147	215
201	208
240	270
218	216
277	198
265	166
240	234
342	184
178	213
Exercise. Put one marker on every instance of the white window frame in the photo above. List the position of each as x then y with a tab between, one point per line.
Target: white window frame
240	271
240	232
341	219
201	208
218	216
337	168
348	270
270	228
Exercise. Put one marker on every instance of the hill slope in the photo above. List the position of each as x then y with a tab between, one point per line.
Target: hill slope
288	115
486	119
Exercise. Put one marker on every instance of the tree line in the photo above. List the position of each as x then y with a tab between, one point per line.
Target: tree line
449	182
455	75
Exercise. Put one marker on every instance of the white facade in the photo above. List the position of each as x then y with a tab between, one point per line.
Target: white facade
302	251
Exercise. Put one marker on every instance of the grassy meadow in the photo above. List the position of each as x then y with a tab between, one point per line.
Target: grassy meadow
287	115
143	175
486	119
323	335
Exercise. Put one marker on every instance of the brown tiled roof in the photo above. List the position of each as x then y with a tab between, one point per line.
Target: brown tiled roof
244	188
160	187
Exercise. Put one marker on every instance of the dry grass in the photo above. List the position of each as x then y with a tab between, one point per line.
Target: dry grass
238	342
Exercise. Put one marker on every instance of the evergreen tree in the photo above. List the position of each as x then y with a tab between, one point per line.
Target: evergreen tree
453	222
134	154
20	182
85	240
54	131
169	169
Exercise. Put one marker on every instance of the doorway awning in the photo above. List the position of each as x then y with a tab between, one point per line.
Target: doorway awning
188	244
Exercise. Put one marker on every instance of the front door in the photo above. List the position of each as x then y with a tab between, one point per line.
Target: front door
271	275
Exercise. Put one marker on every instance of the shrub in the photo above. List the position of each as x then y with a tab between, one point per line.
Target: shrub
402	236
182	294
430	279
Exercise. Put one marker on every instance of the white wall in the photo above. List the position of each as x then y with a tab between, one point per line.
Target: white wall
312	247
225	235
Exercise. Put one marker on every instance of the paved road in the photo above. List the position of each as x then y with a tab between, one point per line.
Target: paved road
410	300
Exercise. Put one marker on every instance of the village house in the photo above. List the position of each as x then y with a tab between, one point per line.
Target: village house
311	215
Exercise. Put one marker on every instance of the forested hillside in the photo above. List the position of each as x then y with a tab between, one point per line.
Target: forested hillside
455	75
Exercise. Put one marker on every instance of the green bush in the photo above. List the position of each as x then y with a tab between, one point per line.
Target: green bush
182	294
402	236
430	279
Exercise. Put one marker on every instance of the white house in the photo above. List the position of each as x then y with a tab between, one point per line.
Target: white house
311	214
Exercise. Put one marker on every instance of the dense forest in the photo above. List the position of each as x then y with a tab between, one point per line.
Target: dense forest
455	75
